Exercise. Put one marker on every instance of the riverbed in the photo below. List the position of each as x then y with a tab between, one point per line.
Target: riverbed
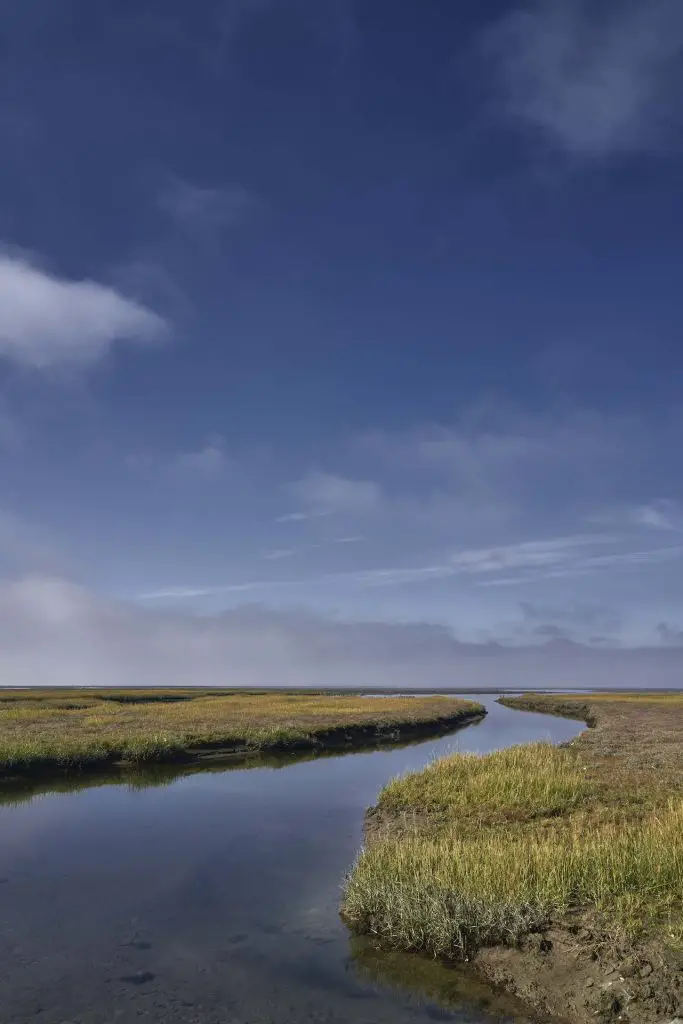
213	898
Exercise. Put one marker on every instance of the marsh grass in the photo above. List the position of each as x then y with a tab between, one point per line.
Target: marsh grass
494	847
519	782
43	730
448	895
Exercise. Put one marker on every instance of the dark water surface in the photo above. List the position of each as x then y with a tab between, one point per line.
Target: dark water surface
213	898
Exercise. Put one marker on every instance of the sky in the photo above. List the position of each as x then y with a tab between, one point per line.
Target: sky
340	342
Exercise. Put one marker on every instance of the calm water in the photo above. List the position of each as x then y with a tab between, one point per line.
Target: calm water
213	898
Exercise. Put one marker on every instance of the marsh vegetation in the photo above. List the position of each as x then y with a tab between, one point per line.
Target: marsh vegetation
63	729
477	852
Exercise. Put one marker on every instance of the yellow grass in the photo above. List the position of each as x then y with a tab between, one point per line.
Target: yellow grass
476	851
42	729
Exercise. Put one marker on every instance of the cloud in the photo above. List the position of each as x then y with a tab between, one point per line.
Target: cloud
492	441
592	564
300	517
482	561
325	493
594	80
522	562
206	463
670	635
47	321
54	632
526	555
574	622
498	473
661	514
509	565
279	553
201	209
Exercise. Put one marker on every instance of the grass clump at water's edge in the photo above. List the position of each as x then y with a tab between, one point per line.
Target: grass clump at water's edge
478	851
43	731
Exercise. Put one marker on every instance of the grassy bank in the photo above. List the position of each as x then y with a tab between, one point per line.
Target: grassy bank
477	852
43	730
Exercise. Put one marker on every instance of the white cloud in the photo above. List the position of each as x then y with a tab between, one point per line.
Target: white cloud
593	563
279	553
503	566
206	463
200	208
659	514
47	321
498	473
649	515
300	517
53	632
558	553
325	493
495	475
593	79
526	555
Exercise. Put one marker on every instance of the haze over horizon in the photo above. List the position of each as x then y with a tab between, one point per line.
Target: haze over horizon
340	343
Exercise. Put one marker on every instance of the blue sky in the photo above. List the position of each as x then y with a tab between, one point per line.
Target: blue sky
362	312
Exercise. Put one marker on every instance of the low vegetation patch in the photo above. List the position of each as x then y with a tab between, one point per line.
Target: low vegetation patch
517	783
477	852
42	729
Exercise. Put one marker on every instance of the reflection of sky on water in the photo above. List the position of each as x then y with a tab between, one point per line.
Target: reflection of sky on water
223	886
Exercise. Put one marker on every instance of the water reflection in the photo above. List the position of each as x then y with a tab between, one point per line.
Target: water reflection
212	895
444	990
21	789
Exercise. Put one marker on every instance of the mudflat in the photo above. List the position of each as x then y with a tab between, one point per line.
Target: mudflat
557	872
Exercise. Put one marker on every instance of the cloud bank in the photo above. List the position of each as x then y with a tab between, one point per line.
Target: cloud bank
47	321
53	632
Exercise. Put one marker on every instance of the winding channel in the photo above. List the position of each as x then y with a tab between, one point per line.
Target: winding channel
211	898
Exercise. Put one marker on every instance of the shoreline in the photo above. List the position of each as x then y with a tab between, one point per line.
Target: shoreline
578	965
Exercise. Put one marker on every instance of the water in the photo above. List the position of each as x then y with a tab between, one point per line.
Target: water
213	899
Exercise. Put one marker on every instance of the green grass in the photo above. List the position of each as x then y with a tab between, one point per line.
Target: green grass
42	730
478	851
